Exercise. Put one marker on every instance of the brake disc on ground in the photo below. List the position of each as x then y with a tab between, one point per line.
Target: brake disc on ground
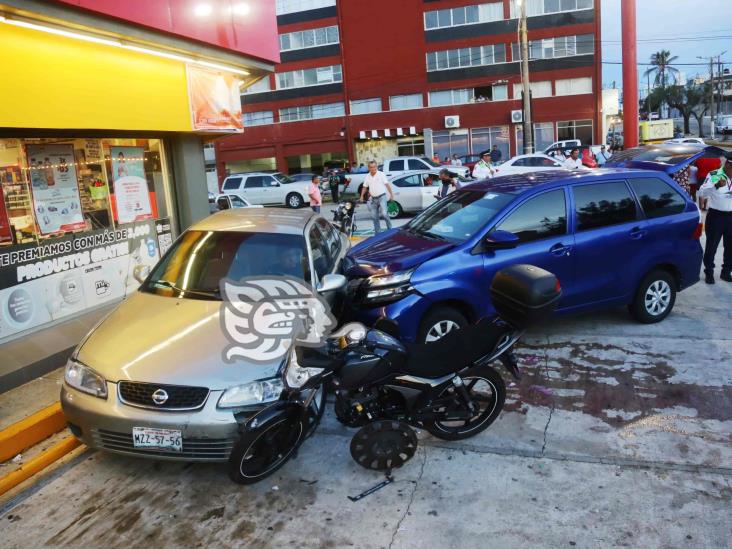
383	445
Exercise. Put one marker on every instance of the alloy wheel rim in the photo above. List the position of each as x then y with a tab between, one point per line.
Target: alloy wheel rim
440	330
658	297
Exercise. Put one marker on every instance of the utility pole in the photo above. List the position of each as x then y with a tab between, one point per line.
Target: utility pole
712	107
523	37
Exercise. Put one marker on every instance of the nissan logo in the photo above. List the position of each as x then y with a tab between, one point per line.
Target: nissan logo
159	396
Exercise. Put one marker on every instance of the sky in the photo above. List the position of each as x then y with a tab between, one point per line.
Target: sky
687	28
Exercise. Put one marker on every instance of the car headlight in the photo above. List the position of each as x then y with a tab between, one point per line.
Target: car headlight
296	375
85	379
249	394
389	287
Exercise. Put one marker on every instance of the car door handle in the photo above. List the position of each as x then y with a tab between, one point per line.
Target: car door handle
560	250
636	233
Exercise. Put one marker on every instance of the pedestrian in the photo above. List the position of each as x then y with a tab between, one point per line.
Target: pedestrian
333	183
354	167
574	162
436	158
446	162
717	189
448	183
495	154
314	193
456	161
603	156
377	185
484	167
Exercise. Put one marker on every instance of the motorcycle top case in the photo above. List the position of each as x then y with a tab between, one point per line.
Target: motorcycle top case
524	295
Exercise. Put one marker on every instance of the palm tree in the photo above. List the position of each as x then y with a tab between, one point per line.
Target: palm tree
661	67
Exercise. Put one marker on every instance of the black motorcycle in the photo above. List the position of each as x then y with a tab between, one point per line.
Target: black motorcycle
385	387
344	217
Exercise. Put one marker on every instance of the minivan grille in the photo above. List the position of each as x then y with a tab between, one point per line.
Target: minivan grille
202	449
162	397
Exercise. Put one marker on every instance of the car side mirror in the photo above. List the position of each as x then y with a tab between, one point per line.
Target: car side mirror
331	283
500	240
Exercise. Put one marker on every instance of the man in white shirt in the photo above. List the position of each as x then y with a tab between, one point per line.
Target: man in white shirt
603	156
574	162
717	189
456	161
377	185
484	168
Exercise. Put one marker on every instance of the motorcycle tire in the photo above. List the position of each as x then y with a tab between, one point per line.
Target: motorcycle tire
484	376
260	452
384	445
317	409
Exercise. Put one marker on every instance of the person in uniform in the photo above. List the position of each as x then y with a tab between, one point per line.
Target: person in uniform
484	168
717	190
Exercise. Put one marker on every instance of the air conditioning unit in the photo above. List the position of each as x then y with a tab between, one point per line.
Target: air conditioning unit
452	121
517	116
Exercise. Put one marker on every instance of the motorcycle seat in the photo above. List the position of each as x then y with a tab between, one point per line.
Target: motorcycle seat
454	351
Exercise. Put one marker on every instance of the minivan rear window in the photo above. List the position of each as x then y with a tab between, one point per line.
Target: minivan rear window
603	204
657	198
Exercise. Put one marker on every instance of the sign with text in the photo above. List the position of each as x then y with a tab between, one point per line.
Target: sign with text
132	199
215	100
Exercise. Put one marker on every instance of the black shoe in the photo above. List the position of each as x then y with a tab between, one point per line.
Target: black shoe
726	277
709	278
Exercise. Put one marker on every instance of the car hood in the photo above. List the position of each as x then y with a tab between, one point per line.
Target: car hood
160	339
392	251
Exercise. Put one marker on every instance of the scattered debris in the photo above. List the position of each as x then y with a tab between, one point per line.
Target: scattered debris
275	488
18	458
541	389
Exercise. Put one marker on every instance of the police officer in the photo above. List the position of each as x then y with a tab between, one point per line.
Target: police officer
717	189
484	168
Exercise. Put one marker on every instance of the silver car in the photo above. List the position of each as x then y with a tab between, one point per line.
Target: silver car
150	379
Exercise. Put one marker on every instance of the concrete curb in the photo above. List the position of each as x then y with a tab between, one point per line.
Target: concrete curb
31	431
38	463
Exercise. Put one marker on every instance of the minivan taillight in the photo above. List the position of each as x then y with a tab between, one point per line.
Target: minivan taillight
698	231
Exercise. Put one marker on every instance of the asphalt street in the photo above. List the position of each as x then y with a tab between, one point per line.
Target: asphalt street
619	434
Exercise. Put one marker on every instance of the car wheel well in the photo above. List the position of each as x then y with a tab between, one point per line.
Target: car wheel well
460	306
670	269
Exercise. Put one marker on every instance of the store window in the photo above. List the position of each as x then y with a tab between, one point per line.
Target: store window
543	136
447	143
575	129
410	147
483	139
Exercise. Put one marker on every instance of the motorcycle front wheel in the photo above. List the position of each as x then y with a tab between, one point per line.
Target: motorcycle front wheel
260	452
486	389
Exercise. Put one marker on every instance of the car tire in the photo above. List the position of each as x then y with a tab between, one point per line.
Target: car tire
294	201
394	209
439	322
655	297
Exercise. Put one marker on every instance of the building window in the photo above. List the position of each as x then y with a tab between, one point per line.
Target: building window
544	7
539	89
293	6
408	146
258	118
466	57
447	143
365	106
483	139
259	86
575	129
574	86
309	38
310	112
464	15
543	136
403	102
561	46
309	77
450	97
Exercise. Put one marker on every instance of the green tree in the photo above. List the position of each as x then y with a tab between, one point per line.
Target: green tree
661	67
687	99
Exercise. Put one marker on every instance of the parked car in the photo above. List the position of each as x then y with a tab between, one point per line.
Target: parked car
150	380
667	158
724	125
567	143
586	154
394	167
307	177
469	161
527	163
411	193
227	202
612	237
267	189
680	140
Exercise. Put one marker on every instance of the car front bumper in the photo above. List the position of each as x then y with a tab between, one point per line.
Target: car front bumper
208	434
407	313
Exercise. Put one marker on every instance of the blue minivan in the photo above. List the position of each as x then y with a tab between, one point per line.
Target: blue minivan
612	236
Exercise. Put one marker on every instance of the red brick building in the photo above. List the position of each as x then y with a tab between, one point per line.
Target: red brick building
361	80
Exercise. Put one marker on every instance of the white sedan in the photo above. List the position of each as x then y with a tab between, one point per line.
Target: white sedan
413	190
527	163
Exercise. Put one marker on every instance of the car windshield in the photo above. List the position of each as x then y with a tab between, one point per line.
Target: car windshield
282	178
431	162
457	217
198	261
237	202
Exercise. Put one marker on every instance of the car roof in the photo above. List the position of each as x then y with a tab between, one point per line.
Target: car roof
257	220
531	155
547	179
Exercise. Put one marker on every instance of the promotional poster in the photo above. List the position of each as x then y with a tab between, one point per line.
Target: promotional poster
55	188
131	195
215	100
41	283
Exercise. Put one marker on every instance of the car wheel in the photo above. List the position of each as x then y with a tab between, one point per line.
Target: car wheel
394	210
439	323
655	298
294	201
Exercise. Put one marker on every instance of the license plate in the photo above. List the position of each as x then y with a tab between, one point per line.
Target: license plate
157	439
